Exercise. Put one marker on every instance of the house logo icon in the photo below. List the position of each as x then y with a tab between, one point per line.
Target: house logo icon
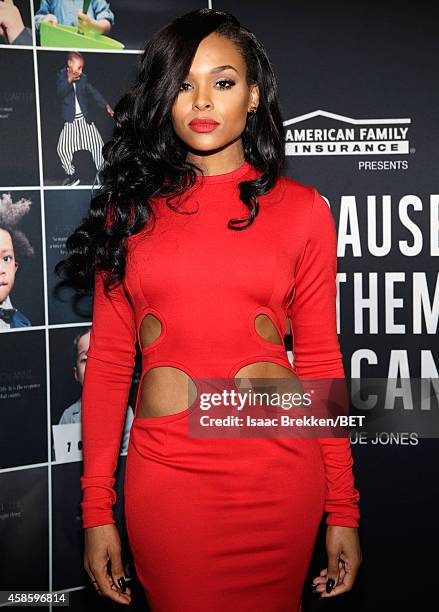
323	133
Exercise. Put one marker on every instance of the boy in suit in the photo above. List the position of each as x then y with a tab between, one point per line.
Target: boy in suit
79	132
10	240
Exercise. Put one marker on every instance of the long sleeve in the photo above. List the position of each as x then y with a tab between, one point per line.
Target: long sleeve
45	9
317	353
105	392
101	10
63	87
96	95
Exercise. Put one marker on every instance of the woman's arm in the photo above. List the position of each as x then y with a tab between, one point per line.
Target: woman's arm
317	354
107	381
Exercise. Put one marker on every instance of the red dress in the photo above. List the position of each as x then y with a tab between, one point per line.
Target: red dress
219	523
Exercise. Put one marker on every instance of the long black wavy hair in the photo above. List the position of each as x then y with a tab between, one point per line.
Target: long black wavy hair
145	159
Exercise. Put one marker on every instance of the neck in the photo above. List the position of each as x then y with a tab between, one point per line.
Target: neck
211	166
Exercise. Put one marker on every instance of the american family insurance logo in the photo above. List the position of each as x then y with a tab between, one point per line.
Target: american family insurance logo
341	135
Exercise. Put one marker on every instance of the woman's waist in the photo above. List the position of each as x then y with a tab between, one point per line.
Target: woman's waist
236	362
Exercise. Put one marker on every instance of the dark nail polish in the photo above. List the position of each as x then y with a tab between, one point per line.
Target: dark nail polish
330	585
121	582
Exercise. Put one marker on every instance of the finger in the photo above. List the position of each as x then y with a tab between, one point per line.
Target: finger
351	570
345	585
96	588
115	587
320	587
111	582
332	576
342	575
337	590
318	583
118	573
321	578
103	582
117	584
93	580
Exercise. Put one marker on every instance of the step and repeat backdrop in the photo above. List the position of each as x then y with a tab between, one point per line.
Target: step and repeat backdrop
360	104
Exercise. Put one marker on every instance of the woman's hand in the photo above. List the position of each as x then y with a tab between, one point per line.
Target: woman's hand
344	560
102	544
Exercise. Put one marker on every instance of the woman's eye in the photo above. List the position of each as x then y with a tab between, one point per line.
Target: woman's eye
229	82
225	84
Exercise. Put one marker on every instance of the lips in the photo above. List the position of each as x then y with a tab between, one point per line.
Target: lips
203	125
203	121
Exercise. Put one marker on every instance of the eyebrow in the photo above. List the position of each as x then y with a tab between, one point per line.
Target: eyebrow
221	68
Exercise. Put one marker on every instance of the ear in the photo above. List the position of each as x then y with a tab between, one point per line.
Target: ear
254	96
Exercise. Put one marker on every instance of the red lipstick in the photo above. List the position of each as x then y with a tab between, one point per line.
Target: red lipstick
203	125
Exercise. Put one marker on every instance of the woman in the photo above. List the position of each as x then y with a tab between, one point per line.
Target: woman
215	250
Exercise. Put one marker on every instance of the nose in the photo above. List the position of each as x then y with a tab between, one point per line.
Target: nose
201	100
